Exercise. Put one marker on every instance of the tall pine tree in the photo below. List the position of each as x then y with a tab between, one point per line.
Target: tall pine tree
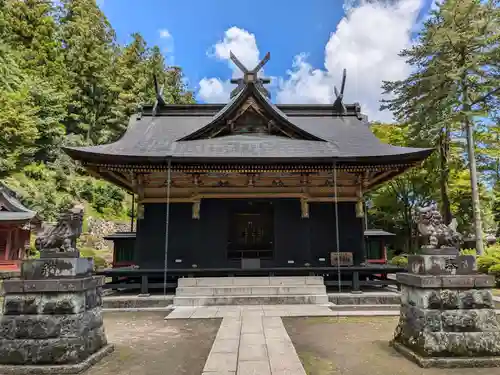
455	75
32	31
89	52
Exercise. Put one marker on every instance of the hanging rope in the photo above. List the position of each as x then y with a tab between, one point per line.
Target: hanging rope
337	224
167	230
133	213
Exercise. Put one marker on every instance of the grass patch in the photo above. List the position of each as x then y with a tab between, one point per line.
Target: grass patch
315	365
496	292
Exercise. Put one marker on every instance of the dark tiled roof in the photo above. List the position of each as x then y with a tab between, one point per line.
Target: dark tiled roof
327	136
16	216
120	235
153	138
14	210
377	233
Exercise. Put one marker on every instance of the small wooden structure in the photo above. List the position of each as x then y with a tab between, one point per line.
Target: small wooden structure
16	222
376	245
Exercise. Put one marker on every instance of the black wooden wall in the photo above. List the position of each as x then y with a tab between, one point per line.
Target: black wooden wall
204	241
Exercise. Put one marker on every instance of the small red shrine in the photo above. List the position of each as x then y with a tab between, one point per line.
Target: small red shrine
16	223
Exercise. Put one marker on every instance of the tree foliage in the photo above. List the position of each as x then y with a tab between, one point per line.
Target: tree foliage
453	88
64	80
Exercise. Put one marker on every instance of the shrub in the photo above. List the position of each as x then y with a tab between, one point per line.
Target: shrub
99	262
399	260
468	252
489	263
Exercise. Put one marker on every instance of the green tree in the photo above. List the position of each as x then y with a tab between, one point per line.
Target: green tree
455	75
132	79
171	77
18	131
392	205
89	55
32	31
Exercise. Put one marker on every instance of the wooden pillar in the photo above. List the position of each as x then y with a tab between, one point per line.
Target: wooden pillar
8	244
16	243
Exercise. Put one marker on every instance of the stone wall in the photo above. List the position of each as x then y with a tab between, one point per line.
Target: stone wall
99	228
52	315
448	322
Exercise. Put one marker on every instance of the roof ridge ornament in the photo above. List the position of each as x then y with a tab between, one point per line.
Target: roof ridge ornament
159	95
338	104
250	76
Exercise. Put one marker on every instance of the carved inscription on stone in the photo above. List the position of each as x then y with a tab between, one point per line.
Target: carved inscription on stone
49	269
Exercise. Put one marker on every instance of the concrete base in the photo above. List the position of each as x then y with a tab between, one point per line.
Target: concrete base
213	291
136	302
58	369
368	298
251	300
445	362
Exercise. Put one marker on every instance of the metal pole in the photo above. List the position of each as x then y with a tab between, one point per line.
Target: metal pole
366	217
167	229
337	224
133	213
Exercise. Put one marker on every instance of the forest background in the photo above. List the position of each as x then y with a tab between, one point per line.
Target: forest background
64	80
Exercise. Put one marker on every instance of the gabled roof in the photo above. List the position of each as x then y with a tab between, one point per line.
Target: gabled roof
190	133
154	139
11	209
250	91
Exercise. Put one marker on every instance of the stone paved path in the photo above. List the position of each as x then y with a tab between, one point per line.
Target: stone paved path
253	345
252	340
204	312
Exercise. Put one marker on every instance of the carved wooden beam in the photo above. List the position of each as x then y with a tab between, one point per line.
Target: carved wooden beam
196	197
92	171
252	177
118	176
139	184
379	177
304	179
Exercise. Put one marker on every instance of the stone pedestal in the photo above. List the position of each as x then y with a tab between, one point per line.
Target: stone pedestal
447	315
52	320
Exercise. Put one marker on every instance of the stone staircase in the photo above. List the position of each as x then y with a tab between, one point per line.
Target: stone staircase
273	290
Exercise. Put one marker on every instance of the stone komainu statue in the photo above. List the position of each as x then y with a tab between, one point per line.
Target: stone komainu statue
436	233
62	237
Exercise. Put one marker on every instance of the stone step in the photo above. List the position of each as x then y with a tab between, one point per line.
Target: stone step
250	290
365	307
370	298
251	281
319	299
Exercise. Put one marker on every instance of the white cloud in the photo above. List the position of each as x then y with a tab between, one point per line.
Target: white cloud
214	90
165	34
244	47
167	45
366	42
304	84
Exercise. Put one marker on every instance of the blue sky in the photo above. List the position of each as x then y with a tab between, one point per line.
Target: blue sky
310	42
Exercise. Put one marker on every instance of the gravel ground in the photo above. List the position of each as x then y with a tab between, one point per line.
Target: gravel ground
146	344
356	346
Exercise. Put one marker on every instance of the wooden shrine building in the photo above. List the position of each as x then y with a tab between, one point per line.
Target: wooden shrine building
247	185
16	222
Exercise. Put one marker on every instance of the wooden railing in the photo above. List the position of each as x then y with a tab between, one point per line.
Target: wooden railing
148	279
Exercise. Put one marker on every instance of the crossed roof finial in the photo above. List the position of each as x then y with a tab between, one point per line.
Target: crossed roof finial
159	95
338	104
249	76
